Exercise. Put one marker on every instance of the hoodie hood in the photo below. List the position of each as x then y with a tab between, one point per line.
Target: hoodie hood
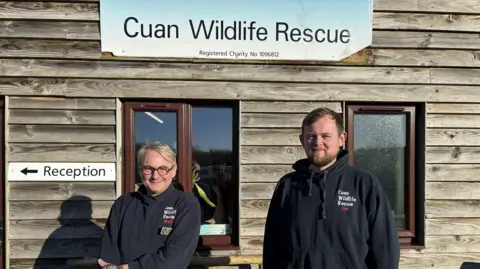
303	166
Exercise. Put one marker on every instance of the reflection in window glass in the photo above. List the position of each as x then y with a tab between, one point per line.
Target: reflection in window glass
154	126
212	153
380	147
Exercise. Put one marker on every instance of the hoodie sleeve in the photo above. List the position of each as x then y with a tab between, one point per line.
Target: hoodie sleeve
272	236
109	251
384	245
181	242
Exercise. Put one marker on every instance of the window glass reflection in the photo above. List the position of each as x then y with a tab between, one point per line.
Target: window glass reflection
212	153
380	146
155	126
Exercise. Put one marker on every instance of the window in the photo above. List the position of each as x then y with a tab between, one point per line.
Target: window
205	138
387	141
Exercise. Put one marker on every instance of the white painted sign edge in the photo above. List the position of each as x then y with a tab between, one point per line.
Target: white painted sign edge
15	171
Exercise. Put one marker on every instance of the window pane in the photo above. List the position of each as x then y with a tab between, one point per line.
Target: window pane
155	126
212	141
380	147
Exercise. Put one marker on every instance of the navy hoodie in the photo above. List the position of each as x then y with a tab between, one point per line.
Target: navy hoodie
152	232
339	218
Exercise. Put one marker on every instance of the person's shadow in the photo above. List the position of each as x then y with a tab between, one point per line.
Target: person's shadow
77	238
470	265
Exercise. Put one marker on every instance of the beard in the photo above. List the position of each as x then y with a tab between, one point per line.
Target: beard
321	161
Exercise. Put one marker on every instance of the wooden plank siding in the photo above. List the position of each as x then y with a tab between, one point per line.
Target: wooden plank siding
51	222
63	109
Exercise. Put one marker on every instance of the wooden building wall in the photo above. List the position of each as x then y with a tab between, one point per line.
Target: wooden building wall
50	222
423	50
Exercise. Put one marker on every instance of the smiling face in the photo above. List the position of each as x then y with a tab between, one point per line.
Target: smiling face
157	171
322	140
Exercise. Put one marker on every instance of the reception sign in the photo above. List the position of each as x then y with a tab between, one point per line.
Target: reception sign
225	29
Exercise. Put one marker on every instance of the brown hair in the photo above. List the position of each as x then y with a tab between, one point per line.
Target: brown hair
318	113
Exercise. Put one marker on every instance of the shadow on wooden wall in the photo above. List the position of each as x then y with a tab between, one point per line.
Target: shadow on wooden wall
64	241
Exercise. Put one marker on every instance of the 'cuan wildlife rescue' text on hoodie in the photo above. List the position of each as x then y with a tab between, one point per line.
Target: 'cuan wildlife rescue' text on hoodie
339	218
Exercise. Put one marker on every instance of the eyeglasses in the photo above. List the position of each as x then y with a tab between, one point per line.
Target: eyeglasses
161	170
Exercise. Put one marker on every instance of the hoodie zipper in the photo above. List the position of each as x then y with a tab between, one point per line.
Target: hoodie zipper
324	198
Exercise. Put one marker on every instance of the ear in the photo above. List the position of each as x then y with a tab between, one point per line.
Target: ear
343	138
174	171
300	137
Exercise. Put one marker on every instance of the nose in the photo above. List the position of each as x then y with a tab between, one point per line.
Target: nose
155	175
316	140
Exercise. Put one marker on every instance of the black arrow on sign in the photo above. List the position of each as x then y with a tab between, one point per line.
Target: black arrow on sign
25	171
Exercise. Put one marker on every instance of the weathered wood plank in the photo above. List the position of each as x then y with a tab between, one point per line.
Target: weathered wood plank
155	70
453	209
455	76
252	209
252	191
271	137
32	86
453	172
453	243
263	172
425	21
237	90
434	58
272	120
269	91
53	229
34	210
60	117
424	40
54	248
32	152
438	191
452	108
453	137
73	30
271	154
49	11
451	226
61	103
50	29
61	134
463	6
90	50
453	155
287	107
39	264
30	191
252	227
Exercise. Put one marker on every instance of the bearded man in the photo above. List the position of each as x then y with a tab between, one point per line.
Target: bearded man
327	214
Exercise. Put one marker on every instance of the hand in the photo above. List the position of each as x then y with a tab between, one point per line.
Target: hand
106	265
102	263
110	266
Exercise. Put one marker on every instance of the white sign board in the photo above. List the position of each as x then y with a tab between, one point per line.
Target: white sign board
249	29
62	172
